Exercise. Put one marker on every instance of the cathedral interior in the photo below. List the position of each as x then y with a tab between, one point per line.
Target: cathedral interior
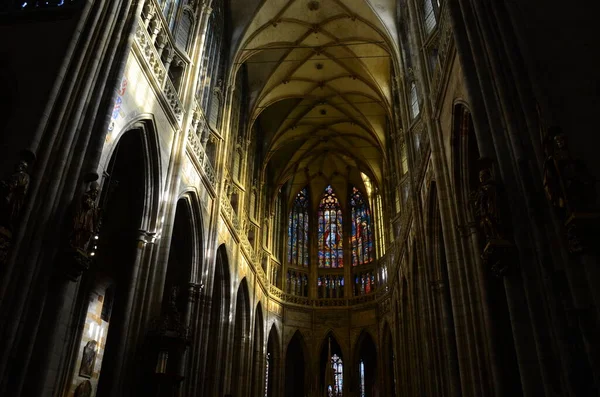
299	198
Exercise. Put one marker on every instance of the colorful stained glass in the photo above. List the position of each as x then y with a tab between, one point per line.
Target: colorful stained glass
338	376
361	368
364	283
298	231
362	235
330	286
330	231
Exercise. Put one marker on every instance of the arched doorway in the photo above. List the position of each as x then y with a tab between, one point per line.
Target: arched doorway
295	367
272	370
365	366
218	326
181	257
241	334
108	292
332	368
389	362
445	351
258	358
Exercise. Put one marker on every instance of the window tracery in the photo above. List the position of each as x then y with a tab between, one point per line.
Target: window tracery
298	228
362	235
330	232
364	283
330	286
361	369
335	390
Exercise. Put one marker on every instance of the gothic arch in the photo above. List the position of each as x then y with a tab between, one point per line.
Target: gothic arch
218	325
258	354
464	155
241	338
389	357
325	360
365	360
273	378
145	126
130	200
197	224
296	383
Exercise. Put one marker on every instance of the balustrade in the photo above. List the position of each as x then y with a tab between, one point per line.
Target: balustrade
165	61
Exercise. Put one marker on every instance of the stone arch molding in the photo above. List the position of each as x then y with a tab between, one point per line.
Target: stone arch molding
192	203
153	172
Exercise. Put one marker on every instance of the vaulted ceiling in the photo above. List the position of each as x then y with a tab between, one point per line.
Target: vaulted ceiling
319	74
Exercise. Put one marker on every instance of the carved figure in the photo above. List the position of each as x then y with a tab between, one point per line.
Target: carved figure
485	202
14	190
88	360
567	183
87	218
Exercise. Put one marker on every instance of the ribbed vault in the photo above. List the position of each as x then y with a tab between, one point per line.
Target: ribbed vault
319	75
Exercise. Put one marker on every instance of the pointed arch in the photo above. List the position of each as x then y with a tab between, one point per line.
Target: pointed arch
241	336
365	365
296	363
144	127
130	198
465	152
273	366
220	301
197	226
258	356
388	353
334	358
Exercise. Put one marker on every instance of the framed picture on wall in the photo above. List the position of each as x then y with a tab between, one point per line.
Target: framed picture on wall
88	360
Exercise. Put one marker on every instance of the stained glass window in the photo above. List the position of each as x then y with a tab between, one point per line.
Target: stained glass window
362	235
298	231
362	378
330	231
297	283
267	374
338	376
364	283
330	286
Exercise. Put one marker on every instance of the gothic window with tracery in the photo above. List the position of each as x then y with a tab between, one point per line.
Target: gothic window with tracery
429	15
362	378
414	101
184	30
330	234
362	235
268	364
335	390
298	231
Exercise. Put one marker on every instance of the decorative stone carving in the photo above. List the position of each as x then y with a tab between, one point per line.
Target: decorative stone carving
87	219
86	223
570	189
13	191
498	251
485	202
